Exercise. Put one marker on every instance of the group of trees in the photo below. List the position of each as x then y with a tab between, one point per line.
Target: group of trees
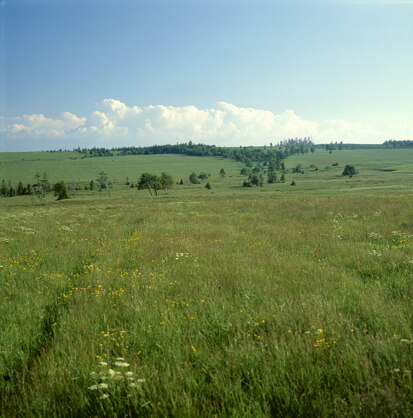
242	154
259	175
153	183
408	143
39	188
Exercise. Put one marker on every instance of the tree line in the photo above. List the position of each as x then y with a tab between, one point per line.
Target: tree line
241	154
39	188
391	143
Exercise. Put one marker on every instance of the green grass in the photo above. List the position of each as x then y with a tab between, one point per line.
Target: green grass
70	166
281	300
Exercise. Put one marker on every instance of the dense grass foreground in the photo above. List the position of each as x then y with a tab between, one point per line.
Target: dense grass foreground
292	305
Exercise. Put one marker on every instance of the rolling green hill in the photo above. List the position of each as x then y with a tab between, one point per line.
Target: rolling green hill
70	166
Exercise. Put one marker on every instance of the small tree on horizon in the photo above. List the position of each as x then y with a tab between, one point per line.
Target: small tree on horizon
222	173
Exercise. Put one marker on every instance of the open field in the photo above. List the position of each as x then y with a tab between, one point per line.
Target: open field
290	300
69	166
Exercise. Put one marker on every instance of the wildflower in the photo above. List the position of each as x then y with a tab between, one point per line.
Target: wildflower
112	373
121	364
120	359
128	374
104	396
93	387
102	386
141	380
103	363
133	385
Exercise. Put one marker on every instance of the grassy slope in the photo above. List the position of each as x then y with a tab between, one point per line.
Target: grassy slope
231	301
70	166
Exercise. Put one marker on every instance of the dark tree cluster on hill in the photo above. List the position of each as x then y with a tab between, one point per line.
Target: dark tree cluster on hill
408	143
241	154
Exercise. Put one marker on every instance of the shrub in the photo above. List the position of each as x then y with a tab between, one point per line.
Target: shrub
60	190
349	170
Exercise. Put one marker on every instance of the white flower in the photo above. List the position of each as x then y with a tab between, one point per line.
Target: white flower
129	374
93	387
112	373
141	380
132	385
102	386
103	363
121	364
104	396
120	359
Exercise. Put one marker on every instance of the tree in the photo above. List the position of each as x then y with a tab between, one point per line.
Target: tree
203	176
166	181
45	183
282	178
21	190
208	186
3	188
349	170
10	190
222	173
193	178
149	181
60	190
103	180
91	185
255	180
38	188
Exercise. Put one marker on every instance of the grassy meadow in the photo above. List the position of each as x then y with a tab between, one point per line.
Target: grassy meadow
263	301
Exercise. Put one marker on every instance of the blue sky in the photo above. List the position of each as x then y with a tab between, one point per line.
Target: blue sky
226	72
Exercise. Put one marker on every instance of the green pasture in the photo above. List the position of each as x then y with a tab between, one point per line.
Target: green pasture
70	166
265	301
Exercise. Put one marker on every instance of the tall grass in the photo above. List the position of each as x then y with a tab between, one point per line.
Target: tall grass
229	304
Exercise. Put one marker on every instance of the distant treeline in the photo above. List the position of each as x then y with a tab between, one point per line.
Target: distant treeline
243	154
398	144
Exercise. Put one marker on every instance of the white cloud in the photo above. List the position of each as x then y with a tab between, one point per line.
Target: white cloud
39	126
116	124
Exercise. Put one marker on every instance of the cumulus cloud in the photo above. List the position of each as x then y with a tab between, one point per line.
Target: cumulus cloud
39	126
116	124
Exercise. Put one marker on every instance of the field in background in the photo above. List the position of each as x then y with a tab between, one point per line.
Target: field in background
290	300
70	166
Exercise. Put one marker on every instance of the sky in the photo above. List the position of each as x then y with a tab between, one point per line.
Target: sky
110	73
